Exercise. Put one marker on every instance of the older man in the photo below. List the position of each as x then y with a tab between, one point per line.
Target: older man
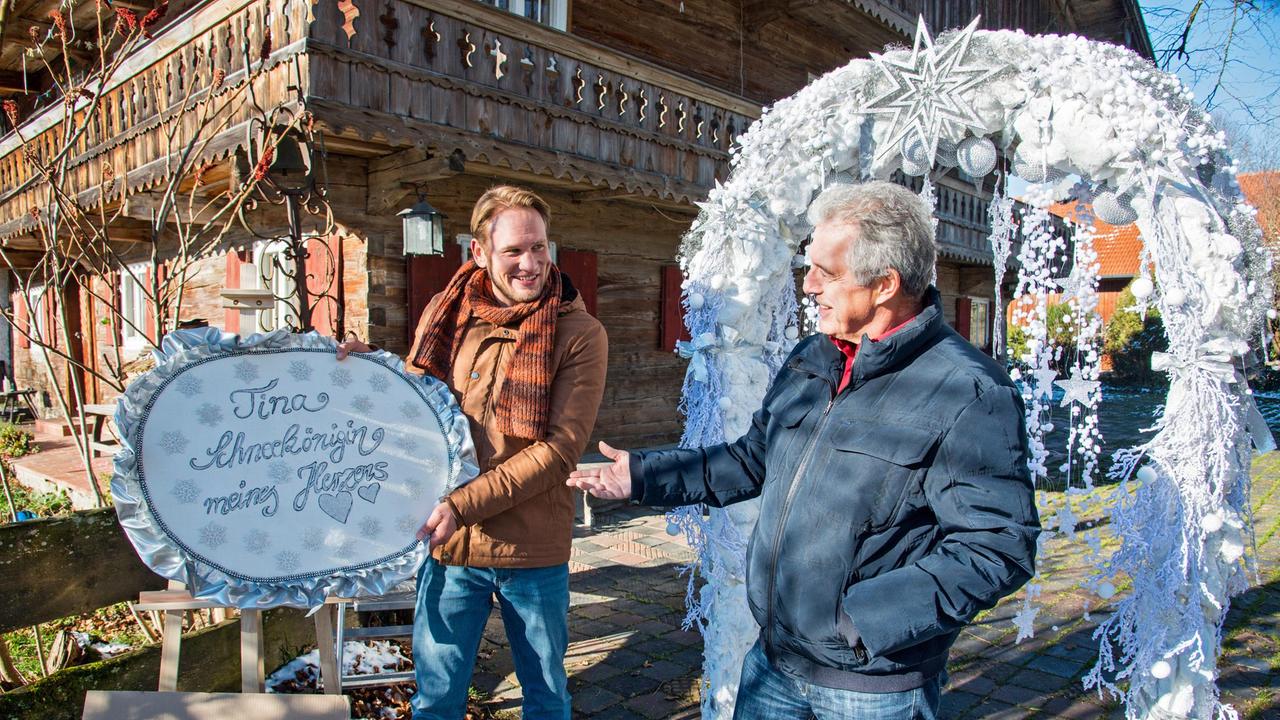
890	456
512	339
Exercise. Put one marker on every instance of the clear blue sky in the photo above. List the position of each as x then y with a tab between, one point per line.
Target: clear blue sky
1249	97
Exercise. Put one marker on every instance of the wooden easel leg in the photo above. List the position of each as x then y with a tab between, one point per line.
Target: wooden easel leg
251	670
330	673
170	649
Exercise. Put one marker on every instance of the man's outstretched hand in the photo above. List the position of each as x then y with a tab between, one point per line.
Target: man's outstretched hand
440	525
610	482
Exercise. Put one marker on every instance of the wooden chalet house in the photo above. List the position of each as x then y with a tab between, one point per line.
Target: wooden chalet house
619	112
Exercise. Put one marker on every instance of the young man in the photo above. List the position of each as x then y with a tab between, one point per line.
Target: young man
890	456
514	342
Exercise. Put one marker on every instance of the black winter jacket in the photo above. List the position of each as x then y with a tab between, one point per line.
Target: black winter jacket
904	500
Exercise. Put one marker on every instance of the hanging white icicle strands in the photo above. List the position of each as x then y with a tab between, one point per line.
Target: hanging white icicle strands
1000	212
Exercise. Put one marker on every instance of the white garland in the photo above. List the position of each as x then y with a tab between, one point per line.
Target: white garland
1070	106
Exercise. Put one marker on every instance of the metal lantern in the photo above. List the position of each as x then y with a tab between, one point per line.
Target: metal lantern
423	229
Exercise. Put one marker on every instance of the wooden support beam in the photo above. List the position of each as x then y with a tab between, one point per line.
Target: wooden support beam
595	195
391	178
144	206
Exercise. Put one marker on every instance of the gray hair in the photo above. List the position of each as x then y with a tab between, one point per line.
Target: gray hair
894	231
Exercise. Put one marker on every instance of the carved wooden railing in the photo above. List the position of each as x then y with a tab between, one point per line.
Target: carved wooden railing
142	99
458	64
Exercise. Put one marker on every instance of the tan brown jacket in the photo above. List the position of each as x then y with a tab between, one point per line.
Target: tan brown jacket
519	512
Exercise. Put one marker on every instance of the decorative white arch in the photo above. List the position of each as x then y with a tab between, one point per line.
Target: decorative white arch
1072	113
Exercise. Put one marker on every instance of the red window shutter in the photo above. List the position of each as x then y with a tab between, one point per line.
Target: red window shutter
671	318
580	266
231	281
964	315
428	275
116	330
20	319
150	307
324	258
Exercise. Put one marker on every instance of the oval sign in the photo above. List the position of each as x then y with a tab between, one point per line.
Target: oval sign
269	473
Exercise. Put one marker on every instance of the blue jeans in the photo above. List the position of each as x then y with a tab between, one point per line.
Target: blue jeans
768	694
453	607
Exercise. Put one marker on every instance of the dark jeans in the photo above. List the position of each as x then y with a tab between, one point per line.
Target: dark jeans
765	693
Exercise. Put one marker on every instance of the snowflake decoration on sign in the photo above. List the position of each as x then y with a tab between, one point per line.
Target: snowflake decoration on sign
209	414
347	549
370	527
414	488
362	404
186	492
189	385
407	524
924	100
256	541
410	411
279	471
287	560
379	383
407	443
173	442
312	537
213	535
300	370
246	371
340	377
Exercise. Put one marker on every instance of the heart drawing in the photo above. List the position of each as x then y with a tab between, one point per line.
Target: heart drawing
336	505
369	493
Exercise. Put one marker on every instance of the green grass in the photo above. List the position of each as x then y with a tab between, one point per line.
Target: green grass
110	624
40	503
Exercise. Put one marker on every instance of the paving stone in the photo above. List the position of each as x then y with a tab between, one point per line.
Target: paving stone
1014	694
631	684
594	611
613	712
594	699
663	670
1042	682
954	703
976	684
1061	667
653	705
600	672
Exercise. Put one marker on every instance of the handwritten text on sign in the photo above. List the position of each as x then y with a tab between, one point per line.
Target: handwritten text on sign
290	463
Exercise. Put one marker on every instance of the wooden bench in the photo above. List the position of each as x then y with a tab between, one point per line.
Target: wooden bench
101	415
17	401
137	705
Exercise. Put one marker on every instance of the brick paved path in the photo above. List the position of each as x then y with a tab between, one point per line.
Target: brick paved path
628	657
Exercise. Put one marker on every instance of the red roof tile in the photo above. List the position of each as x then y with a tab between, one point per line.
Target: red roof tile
1262	190
1119	246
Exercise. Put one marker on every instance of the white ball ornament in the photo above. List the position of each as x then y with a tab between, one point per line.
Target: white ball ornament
792	333
1174	297
912	168
977	156
1272	314
696	301
1146	474
1161	669
1106	591
725	402
673	529
1114	208
915	151
1211	523
1034	171
1142	288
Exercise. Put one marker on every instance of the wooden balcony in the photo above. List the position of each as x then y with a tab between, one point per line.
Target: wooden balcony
125	148
460	76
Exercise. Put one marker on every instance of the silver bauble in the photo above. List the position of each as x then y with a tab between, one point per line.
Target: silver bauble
1035	171
1114	208
915	151
912	168
977	156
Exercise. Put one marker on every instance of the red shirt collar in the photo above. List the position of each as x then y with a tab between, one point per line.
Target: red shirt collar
850	351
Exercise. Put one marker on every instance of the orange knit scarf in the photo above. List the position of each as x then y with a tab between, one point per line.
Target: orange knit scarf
523	403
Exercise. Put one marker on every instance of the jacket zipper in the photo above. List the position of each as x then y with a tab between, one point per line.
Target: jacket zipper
786	511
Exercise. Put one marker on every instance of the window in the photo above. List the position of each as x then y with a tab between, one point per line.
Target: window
554	13
133	306
273	270
38	324
979	323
